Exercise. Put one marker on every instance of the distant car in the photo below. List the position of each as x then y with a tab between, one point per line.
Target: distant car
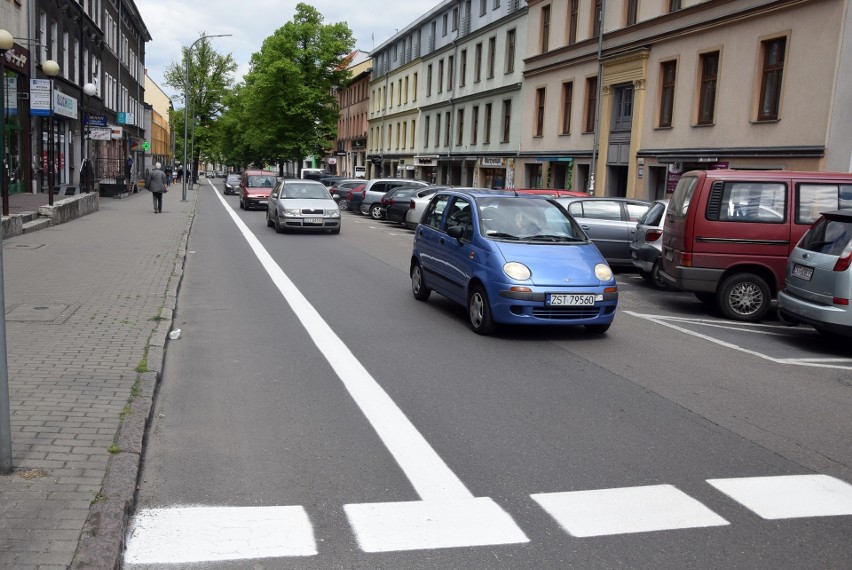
302	205
397	202
511	260
209	174
232	184
255	186
376	188
343	190
329	181
609	222
398	211
818	284
647	244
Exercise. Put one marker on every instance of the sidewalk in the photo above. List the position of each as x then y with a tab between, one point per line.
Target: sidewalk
88	305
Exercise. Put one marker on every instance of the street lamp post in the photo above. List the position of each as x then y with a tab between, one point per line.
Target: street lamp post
89	90
51	69
6	43
186	106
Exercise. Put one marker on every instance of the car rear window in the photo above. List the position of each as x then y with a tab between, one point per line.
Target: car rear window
682	196
827	236
654	215
261	181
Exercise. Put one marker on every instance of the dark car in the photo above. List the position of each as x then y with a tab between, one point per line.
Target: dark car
342	190
232	184
397	202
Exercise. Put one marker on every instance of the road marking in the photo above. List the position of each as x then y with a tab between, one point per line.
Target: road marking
626	510
668	321
183	535
789	496
431	478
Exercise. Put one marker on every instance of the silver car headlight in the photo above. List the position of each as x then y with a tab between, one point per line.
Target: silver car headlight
603	272
292	212
332	213
517	271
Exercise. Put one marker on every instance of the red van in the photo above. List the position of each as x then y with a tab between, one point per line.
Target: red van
728	233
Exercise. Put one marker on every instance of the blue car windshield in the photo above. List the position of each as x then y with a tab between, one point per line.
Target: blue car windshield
526	219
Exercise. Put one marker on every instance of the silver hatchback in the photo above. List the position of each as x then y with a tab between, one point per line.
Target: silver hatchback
818	285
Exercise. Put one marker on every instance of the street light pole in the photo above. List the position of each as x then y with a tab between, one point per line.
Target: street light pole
6	43
186	106
51	69
89	89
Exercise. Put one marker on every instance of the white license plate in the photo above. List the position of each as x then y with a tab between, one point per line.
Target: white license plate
802	272
313	220
669	254
563	299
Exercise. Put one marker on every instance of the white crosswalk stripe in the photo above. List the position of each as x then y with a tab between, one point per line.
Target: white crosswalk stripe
789	496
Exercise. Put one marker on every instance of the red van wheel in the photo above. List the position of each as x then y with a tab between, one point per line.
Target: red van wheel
744	297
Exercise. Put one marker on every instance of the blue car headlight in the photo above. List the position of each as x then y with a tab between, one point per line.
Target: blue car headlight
603	272
517	271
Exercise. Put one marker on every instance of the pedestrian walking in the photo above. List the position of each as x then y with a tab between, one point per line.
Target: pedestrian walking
157	183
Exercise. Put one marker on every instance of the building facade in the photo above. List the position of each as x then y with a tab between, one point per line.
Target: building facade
353	99
674	86
161	148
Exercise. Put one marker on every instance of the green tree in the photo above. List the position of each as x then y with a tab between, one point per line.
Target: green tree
202	77
288	104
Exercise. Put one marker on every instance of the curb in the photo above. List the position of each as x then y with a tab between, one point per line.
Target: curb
102	540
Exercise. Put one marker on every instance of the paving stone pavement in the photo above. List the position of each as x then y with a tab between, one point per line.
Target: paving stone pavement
89	305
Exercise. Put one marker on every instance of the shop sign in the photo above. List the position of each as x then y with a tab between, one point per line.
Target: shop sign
10	93
332	161
491	162
426	160
719	166
126	119
116	133
93	120
100	134
40	97
64	105
17	58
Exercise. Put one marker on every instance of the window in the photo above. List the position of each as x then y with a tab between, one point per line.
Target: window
507	119
444	24
567	100
483	7
622	107
707	92
437	130
477	63
413	125
770	80
441	76
674	5
591	102
764	202
450	72
429	80
486	134
390	101
435	211
496	4
426	132
474	125
463	68
573	15
406	89
492	49
545	28
447	125
632	10
813	198
414	87
510	51
460	127
539	111
668	74
596	18
455	19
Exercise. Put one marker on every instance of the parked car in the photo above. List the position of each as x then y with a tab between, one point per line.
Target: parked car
511	260
232	184
255	186
609	222
343	192
396	203
647	244
818	284
728	233
329	181
417	205
303	205
376	188
549	192
399	210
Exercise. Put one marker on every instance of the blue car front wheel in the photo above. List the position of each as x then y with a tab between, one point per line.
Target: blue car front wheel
479	311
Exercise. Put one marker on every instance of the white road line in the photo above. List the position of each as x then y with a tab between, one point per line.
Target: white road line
789	496
183	535
666	321
626	510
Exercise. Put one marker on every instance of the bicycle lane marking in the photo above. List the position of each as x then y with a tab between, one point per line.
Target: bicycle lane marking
669	321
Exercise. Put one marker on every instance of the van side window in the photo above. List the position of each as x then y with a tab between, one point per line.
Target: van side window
813	199
682	196
760	202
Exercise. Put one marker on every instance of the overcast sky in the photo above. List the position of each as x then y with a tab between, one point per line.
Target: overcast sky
176	23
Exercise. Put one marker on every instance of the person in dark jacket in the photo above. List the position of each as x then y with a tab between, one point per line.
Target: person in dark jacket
157	184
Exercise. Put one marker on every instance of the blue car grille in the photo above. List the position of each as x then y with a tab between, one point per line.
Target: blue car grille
565	313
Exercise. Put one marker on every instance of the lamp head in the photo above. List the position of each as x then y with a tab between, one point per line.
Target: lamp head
6	41
90	89
50	68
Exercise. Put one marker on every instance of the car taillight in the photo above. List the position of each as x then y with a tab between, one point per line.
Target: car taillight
686	259
845	260
390	202
349	196
363	194
840	301
653	235
411	205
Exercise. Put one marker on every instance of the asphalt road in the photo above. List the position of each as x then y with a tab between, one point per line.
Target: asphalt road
314	415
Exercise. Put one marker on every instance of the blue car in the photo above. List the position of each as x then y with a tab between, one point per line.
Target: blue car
511	260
